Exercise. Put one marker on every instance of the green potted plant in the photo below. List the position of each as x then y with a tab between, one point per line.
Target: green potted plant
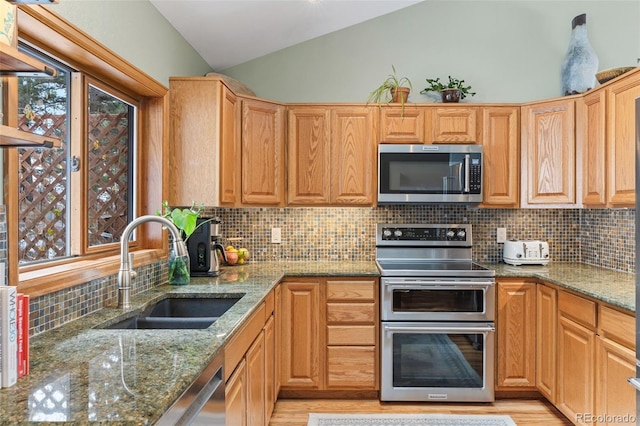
393	89
452	91
186	221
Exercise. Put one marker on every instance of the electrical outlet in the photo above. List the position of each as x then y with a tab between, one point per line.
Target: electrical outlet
276	235
501	235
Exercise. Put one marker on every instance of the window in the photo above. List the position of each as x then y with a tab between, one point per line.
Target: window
50	201
67	207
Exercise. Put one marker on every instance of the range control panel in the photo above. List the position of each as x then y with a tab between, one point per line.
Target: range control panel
423	235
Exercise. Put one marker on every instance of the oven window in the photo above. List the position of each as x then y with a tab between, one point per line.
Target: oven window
438	360
438	301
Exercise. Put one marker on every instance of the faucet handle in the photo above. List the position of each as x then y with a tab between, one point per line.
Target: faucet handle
132	271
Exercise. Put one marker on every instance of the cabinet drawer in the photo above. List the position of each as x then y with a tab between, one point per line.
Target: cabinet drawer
351	334
351	290
269	303
239	344
578	308
351	313
617	326
351	367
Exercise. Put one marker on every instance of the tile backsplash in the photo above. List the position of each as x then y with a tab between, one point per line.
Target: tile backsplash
600	237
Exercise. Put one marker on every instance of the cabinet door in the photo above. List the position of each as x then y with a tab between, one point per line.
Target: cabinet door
194	140
402	126
351	367
590	122
309	156
548	154
575	369
452	125
501	156
270	367
230	159
255	359
301	337
262	153
614	396
546	339
353	144
235	399
278	339
516	334
621	128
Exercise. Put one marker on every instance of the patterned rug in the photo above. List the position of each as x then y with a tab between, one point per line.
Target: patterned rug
322	419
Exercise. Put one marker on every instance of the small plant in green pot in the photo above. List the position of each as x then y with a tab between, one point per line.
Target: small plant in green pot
452	91
393	89
186	221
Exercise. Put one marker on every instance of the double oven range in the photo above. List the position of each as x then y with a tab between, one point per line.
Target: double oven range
437	310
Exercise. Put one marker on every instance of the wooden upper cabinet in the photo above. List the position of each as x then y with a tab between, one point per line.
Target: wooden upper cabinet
621	128
501	154
548	154
353	156
194	140
402	126
263	153
230	160
590	132
309	159
452	125
331	157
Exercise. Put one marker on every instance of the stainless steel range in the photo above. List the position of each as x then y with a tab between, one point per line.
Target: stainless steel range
437	312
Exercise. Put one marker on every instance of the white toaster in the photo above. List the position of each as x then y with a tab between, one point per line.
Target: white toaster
525	252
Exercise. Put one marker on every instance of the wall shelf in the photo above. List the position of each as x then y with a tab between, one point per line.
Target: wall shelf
16	63
14	138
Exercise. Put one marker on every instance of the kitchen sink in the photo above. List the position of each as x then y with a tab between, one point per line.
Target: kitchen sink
179	313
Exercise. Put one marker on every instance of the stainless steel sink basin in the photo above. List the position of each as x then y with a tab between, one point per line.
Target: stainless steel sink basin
179	313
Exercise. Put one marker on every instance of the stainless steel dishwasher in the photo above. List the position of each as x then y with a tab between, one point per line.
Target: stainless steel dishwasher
203	402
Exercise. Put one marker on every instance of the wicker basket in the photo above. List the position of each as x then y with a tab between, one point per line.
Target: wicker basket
611	73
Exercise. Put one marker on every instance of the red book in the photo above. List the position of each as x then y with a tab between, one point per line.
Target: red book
20	322
25	333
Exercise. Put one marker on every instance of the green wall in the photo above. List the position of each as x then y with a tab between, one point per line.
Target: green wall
509	51
135	30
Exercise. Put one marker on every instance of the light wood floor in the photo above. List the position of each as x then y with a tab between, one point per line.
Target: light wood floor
525	412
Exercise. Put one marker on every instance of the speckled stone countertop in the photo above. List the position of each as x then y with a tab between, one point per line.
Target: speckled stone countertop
613	287
83	374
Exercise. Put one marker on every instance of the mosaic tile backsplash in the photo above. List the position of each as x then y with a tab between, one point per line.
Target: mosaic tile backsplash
600	237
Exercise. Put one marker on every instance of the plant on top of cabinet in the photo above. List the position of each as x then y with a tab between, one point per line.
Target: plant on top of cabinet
452	91
392	90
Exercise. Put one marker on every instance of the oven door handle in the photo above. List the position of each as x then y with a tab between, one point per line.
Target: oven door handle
421	285
473	329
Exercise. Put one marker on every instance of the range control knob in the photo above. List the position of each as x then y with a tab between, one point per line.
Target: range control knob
397	233
461	234
386	233
450	233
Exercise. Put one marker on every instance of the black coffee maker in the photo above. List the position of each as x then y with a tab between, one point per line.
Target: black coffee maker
204	246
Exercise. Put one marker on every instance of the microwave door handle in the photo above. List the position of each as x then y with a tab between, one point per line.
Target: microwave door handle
467	174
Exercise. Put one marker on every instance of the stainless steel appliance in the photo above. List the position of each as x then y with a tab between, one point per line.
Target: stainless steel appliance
525	252
635	381
429	173
203	246
437	310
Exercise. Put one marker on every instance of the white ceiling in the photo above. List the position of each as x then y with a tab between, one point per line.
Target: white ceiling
229	32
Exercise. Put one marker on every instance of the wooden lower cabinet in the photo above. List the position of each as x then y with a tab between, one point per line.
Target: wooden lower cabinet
235	397
515	326
330	334
615	400
250	368
546	341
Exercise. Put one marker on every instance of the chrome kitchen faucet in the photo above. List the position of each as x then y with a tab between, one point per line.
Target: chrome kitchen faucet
126	259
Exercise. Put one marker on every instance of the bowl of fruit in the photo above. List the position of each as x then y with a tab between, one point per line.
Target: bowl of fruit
236	256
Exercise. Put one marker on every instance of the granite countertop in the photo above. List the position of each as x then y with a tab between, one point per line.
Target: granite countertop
613	287
83	374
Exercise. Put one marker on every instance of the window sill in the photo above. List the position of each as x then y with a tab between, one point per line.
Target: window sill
48	280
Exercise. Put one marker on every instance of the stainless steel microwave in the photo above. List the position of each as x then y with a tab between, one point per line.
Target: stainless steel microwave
429	174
